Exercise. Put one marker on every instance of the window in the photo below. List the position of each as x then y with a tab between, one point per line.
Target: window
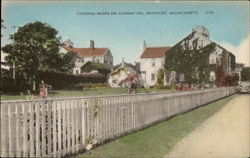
82	60
153	63
93	59
77	72
152	77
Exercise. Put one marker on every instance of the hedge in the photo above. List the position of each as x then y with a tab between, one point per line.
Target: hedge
64	81
57	80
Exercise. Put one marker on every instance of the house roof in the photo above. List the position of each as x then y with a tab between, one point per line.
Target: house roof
87	52
154	52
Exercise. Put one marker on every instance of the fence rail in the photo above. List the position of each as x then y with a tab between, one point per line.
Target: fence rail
63	126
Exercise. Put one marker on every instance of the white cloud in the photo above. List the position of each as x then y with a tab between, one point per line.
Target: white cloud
241	51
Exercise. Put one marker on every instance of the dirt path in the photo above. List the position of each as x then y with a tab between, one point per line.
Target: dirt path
225	134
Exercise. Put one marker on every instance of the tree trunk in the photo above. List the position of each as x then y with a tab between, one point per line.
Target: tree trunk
33	83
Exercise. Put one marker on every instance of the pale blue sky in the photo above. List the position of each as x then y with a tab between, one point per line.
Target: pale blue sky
124	34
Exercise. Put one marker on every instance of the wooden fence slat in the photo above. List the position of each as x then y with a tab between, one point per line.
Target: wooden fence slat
49	122
81	124
18	129
105	120
73	113
68	126
31	130
54	128
85	130
76	124
108	124
59	137
38	141
10	132
64	124
4	133
25	127
113	118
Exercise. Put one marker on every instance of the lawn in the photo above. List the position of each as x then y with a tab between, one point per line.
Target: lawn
158	140
68	93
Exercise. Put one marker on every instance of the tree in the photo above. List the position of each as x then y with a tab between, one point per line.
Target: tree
2	26
35	48
67	62
101	68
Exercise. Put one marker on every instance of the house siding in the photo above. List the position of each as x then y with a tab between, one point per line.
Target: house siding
149	68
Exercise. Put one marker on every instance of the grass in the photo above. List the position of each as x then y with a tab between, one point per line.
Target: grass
64	93
158	140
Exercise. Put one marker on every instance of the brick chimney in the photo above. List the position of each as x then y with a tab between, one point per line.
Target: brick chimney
91	44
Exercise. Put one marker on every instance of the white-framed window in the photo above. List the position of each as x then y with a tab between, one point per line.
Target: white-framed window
77	72
114	81
153	62
152	76
93	59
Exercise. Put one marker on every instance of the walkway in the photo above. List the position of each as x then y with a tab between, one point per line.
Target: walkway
225	134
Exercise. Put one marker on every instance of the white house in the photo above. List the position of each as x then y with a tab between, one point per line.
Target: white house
120	73
151	60
100	55
4	64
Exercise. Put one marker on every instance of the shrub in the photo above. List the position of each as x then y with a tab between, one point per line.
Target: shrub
8	85
64	81
228	80
160	79
245	74
101	68
57	80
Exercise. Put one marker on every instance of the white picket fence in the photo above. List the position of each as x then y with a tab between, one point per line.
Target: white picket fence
63	126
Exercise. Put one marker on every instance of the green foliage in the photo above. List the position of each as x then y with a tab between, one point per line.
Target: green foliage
67	62
9	85
194	64
2	26
245	74
65	81
160	78
101	68
35	48
56	79
173	86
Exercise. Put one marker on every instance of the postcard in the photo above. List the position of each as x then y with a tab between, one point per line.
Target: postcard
125	79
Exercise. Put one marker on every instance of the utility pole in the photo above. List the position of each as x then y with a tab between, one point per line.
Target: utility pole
14	62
